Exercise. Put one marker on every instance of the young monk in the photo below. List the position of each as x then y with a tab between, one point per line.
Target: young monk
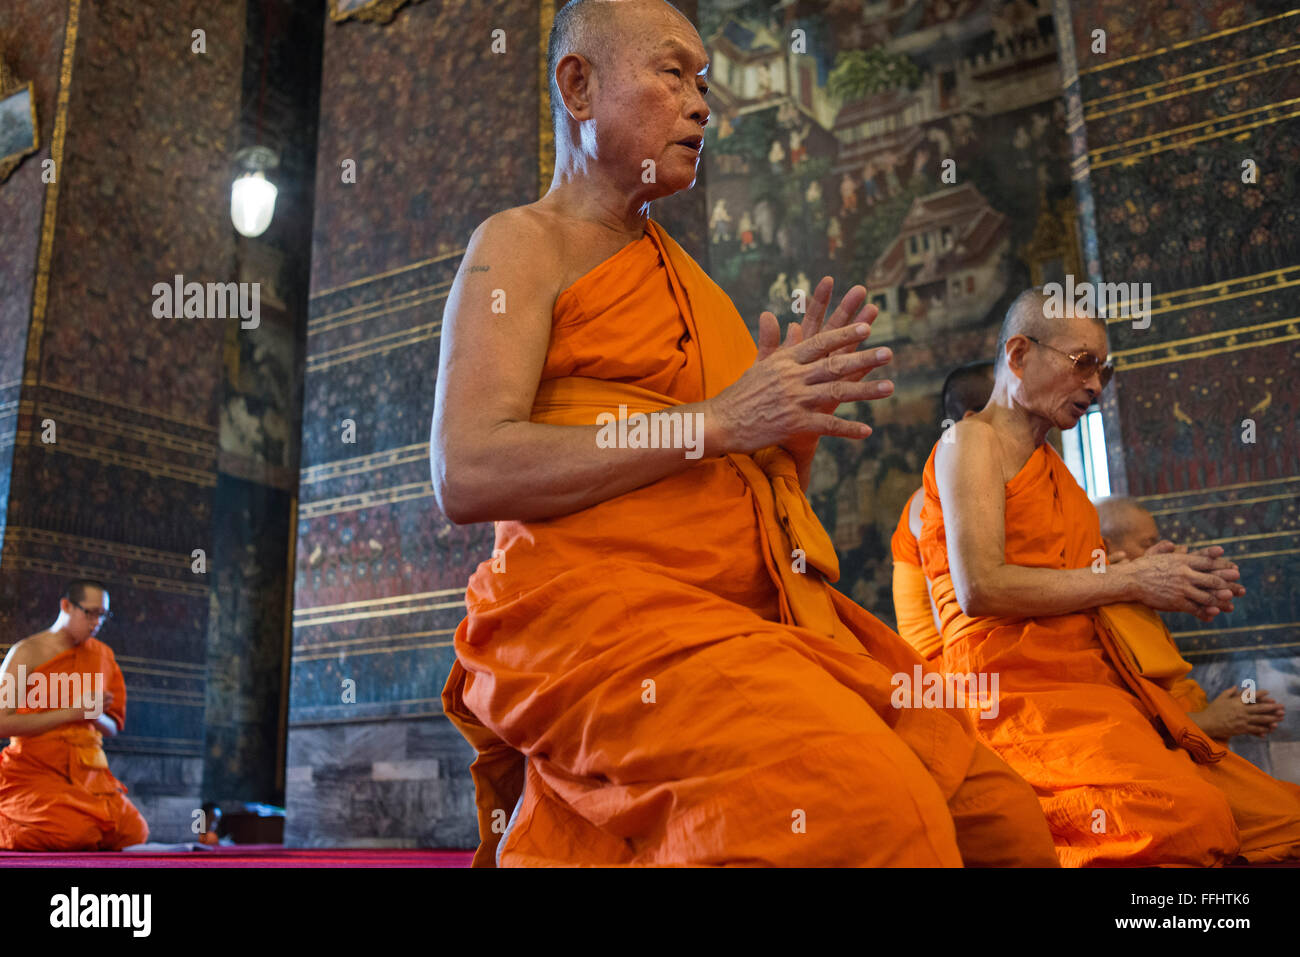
1014	553
965	392
1129	531
56	791
656	631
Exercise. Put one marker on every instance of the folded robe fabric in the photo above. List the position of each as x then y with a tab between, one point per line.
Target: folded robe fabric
912	593
1124	776
56	791
685	683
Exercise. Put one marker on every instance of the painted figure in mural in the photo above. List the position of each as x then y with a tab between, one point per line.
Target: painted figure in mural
1130	531
869	188
637	581
1014	554
848	195
61	691
965	392
832	237
746	231
778	294
776	157
720	221
799	152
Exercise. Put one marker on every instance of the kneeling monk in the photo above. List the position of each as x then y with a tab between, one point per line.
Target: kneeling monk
1014	552
1129	531
965	392
656	632
56	791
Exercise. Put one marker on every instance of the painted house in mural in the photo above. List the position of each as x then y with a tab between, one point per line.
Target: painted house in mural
754	67
946	266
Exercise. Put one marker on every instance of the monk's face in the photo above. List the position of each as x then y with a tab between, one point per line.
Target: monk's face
651	99
1050	385
83	625
1139	533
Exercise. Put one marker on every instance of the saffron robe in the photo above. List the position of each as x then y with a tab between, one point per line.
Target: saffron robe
1124	776
912	592
56	791
685	684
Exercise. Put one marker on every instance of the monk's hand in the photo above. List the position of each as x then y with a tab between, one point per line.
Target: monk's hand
1216	551
1227	715
1197	584
789	395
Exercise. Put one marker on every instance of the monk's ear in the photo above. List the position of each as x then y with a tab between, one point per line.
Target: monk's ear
1017	350
573	77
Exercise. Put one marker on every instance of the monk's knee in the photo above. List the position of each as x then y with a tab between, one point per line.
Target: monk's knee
998	817
131	828
75	835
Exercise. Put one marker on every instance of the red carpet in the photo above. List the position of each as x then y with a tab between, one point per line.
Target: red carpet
247	855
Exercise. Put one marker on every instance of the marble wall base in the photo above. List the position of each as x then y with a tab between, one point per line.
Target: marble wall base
167	790
391	783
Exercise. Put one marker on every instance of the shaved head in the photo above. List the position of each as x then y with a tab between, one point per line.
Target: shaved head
967	389
1027	316
588	28
1126	526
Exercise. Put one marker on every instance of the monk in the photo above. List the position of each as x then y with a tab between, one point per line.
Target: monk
1014	552
63	693
1129	530
965	392
654	668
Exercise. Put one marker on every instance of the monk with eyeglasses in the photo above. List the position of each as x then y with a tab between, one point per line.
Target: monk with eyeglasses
1014	553
61	691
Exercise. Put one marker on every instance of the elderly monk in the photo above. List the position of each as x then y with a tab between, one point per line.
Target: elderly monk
1014	552
1128	531
56	791
656	632
965	392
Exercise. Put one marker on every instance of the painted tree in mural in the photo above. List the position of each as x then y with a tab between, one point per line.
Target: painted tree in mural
859	73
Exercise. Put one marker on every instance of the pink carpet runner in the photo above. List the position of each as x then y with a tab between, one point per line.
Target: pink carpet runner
246	855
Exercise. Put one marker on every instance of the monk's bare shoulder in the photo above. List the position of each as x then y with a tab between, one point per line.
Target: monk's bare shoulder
972	440
516	247
32	651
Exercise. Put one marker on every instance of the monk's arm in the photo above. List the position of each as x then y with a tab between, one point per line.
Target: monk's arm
13	724
491	463
973	496
38	722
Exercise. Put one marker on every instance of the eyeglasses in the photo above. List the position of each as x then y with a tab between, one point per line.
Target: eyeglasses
93	612
1085	363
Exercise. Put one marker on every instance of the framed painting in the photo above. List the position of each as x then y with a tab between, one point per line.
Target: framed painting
19	133
374	11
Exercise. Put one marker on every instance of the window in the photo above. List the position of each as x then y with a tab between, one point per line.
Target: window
911	245
1085	454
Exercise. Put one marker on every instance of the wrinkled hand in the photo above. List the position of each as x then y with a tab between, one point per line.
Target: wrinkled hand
788	396
1200	583
1228	715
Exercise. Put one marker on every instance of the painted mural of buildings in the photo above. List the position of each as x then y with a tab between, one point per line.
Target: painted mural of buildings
945	265
975	60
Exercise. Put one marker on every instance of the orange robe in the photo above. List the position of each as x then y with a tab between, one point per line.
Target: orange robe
1124	776
684	689
912	593
56	791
